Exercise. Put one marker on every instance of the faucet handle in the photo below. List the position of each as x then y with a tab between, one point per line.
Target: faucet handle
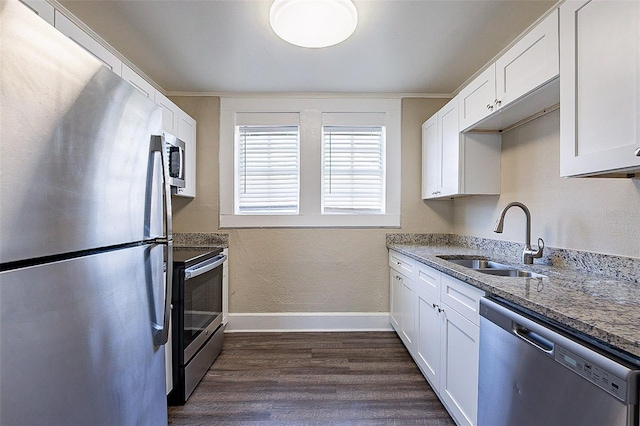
538	253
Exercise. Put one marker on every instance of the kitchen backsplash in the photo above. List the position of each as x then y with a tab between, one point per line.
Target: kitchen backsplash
200	239
624	268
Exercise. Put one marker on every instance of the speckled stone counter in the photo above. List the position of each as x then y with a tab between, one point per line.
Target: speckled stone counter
200	239
604	304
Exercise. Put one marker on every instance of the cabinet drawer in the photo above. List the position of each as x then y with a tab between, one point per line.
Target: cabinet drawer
401	263
461	297
428	278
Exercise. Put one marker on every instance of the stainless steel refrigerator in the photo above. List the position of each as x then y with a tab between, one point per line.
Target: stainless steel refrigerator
85	229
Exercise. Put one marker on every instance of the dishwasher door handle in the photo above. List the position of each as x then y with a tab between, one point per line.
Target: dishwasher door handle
532	338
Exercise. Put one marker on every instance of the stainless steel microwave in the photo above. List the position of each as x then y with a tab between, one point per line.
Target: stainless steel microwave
176	156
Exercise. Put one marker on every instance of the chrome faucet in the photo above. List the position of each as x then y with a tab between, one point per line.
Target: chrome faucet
528	254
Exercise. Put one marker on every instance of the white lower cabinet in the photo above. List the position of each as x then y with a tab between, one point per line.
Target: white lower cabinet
427	341
402	292
402	307
459	355
443	339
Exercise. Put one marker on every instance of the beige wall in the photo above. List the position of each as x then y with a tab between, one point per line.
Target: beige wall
308	270
590	214
344	270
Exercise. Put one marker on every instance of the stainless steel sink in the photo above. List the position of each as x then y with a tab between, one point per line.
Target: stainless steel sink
478	263
490	267
511	273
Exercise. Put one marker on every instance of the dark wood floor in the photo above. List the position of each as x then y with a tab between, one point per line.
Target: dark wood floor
312	379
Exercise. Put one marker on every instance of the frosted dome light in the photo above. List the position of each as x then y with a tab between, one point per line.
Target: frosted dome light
313	23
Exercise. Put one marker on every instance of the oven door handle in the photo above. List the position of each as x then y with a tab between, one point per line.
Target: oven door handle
204	267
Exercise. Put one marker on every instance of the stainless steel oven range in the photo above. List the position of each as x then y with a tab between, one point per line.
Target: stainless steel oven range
196	318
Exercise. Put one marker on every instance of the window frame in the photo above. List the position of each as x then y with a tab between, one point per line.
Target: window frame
311	112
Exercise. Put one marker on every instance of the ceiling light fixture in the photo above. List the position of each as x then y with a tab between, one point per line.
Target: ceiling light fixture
313	23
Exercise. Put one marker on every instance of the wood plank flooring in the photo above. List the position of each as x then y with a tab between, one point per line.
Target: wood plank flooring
363	378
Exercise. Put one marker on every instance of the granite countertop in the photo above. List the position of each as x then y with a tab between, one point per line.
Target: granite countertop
601	307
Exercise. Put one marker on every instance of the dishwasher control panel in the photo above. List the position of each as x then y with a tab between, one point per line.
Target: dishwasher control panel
595	374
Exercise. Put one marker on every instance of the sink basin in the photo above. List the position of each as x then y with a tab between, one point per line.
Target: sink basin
490	267
511	273
478	263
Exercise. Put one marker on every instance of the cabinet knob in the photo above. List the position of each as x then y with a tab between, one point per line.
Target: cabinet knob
497	102
489	107
637	152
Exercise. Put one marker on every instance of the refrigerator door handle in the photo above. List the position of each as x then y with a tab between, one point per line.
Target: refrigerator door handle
161	334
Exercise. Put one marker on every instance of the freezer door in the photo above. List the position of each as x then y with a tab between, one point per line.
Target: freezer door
77	339
75	158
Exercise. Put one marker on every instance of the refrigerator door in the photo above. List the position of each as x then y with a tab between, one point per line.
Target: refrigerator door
75	158
77	339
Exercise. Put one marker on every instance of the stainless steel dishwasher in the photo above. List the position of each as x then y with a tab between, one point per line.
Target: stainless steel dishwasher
532	373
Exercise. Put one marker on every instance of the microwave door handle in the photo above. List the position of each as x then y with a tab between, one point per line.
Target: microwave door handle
161	333
182	164
194	272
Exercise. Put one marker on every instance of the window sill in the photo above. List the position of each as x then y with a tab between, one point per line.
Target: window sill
310	221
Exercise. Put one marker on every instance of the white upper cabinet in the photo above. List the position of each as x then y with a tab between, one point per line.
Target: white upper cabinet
531	62
449	136
170	114
455	163
478	98
137	81
430	152
600	90
492	101
75	33
41	8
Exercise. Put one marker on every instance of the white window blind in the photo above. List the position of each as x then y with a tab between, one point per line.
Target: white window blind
353	169
268	169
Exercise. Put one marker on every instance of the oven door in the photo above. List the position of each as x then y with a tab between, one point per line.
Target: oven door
202	303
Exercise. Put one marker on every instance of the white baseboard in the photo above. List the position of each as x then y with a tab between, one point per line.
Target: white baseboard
309	321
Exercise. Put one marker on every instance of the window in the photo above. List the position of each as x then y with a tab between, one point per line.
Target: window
309	162
268	181
353	171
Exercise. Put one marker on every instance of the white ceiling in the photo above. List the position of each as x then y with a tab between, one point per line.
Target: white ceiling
221	46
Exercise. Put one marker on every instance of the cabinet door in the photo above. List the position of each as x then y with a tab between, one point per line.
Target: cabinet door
137	81
530	63
477	100
170	114
431	158
187	133
459	366
408	312
395	294
75	33
427	335
449	134
600	90
42	9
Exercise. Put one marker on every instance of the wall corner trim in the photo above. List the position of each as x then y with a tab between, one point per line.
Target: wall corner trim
308	321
